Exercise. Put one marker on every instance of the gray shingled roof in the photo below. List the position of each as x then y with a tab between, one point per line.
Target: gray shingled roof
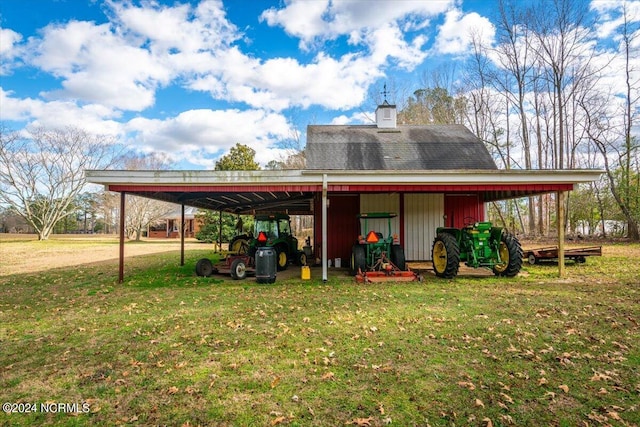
366	147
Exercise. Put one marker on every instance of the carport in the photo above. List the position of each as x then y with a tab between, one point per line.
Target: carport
309	191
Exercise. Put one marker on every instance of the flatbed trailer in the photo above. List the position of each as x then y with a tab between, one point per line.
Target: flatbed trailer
550	253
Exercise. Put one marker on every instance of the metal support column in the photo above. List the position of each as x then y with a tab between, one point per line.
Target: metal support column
182	237
324	228
121	257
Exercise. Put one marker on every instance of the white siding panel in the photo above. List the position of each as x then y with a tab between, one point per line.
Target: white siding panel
422	215
381	203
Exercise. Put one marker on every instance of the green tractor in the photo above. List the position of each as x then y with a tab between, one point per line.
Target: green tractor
478	244
377	258
277	230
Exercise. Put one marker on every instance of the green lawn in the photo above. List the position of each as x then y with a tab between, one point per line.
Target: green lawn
169	348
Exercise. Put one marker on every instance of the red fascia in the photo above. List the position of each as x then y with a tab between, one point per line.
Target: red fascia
443	188
212	188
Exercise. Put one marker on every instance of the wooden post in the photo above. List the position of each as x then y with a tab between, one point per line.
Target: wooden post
182	237
560	221
121	261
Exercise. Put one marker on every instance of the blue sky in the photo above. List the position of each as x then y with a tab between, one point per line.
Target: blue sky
193	78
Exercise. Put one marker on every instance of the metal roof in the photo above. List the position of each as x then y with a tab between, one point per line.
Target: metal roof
424	147
293	190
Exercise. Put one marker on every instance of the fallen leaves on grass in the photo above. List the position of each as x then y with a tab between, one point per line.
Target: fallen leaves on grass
275	382
467	384
360	422
328	376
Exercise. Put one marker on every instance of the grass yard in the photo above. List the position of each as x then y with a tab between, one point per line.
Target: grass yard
169	348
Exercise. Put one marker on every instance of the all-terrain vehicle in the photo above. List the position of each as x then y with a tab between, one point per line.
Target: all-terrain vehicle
478	244
375	257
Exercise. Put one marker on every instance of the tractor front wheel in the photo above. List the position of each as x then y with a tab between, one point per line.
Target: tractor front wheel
358	259
446	256
511	256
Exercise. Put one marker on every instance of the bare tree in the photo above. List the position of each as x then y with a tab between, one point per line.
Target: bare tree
514	58
613	137
142	211
42	171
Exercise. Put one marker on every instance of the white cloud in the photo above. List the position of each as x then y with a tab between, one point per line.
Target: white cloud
94	118
326	20
611	17
366	118
98	66
201	136
181	27
454	36
9	40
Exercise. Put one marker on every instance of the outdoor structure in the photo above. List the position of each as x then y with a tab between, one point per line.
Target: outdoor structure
431	176
169	225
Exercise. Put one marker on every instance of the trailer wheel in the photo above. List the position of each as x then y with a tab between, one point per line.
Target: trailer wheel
580	259
532	259
511	256
397	257
204	267
238	269
445	254
358	259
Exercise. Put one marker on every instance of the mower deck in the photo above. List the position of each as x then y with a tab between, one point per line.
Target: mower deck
387	276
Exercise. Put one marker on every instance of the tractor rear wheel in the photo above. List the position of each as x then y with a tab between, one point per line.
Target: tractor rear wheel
397	257
511	256
446	256
204	267
358	259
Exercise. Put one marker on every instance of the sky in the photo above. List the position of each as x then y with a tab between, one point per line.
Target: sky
190	79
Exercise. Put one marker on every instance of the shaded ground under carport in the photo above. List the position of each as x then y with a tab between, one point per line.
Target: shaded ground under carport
423	268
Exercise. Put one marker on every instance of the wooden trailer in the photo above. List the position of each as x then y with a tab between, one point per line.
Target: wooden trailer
550	253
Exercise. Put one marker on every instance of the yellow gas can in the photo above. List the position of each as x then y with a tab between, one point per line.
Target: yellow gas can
305	272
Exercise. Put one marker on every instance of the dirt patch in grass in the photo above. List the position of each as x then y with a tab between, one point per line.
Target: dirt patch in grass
22	253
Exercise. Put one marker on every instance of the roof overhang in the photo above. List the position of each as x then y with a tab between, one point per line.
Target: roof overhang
292	190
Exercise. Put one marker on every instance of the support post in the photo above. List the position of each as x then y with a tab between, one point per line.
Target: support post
220	232
182	236
324	228
561	214
121	257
